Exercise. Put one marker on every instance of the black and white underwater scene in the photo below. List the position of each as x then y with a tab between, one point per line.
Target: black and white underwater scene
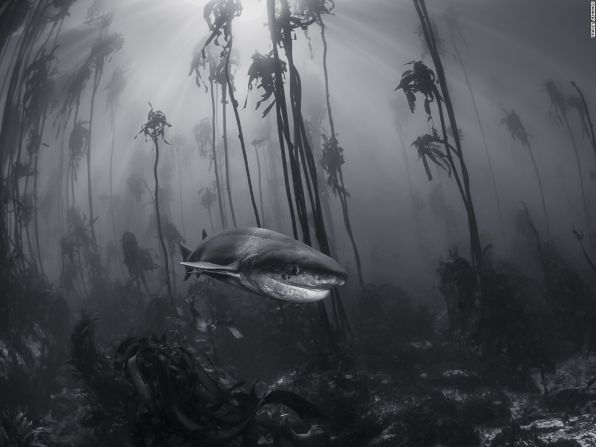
297	223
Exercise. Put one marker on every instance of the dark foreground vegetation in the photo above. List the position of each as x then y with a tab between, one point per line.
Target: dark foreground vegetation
101	343
514	370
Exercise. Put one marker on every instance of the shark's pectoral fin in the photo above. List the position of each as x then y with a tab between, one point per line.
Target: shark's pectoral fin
209	267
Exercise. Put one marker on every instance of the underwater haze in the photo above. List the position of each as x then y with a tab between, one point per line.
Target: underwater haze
297	223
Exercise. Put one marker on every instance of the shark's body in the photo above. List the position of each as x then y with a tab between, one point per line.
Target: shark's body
267	263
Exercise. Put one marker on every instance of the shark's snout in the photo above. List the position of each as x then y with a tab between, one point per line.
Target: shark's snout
322	278
332	274
332	279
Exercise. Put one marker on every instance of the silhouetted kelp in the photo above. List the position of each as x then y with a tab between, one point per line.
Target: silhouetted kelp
161	392
512	354
202	59
456	35
219	15
421	79
559	110
581	106
154	129
114	87
518	132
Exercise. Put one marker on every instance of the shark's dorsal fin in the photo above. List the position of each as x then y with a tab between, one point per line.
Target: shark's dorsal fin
209	267
204	235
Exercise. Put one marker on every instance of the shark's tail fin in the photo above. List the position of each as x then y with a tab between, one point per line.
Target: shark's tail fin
185	252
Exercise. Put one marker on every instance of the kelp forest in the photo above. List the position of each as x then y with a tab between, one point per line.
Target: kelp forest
297	223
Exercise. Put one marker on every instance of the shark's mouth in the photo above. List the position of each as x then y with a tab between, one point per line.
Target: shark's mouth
292	292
